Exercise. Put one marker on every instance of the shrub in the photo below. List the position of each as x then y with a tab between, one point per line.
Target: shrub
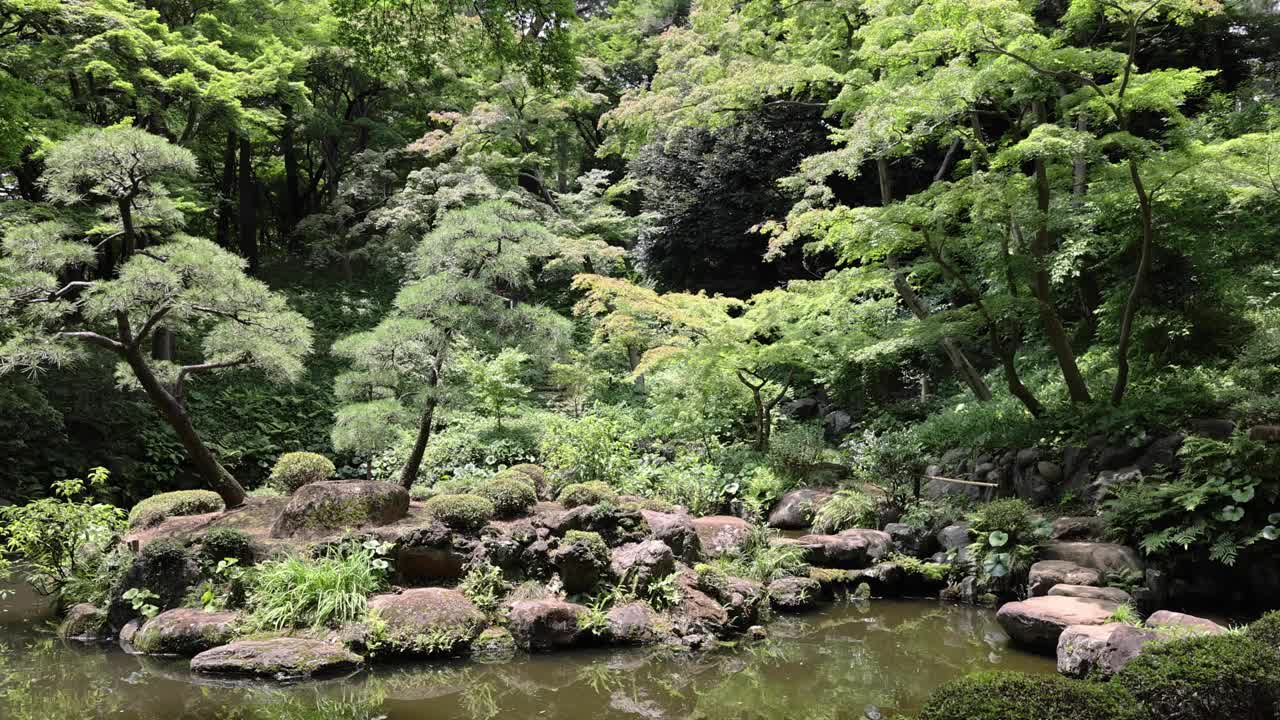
890	461
688	481
537	476
846	509
1007	535
222	543
933	515
587	493
1206	677
1266	630
470	440
157	508
295	469
794	450
465	513
509	497
1024	696
594	447
324	591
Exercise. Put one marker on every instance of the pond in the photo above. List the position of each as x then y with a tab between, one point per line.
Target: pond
831	664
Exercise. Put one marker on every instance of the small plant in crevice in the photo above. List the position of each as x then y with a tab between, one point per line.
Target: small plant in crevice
485	586
140	599
1007	534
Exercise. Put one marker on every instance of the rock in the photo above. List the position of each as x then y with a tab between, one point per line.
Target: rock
801	408
642	563
633	623
185	631
616	525
1265	433
1088	527
1110	594
582	564
954	537
911	540
84	623
127	634
426	621
1114	458
279	659
540	625
1075	467
1103	557
1038	622
837	422
1047	573
1216	428
1101	487
698	613
493	644
794	510
719	534
677	531
850	550
1031	486
1025	457
1099	651
884	579
1190	624
1161	453
321	508
794	594
1049	471
742	600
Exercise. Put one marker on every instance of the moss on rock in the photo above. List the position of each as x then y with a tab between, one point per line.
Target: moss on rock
158	508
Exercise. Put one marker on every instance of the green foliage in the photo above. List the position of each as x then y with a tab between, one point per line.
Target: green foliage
1203	677
1266	630
794	450
587	493
158	508
933	515
469	445
1007	535
1023	696
845	510
595	447
510	497
316	592
688	480
593	541
295	469
484	586
139	600
761	559
1225	500
494	384
1126	614
61	540
891	461
930	571
222	543
465	512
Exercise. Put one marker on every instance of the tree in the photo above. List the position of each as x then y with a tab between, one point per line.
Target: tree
493	382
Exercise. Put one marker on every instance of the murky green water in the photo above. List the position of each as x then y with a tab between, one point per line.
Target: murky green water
830	664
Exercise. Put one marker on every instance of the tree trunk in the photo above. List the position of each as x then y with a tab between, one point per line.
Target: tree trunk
1049	319
1139	279
226	190
290	212
248	196
130	241
409	474
211	471
968	373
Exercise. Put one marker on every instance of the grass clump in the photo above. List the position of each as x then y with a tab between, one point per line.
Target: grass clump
845	510
325	591
1206	677
1023	696
510	497
295	469
158	508
587	493
464	513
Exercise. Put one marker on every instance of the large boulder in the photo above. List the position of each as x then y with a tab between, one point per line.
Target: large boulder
911	540
278	659
164	568
677	531
1037	623
698	614
642	563
1047	573
850	550
794	594
794	510
633	623
425	621
1099	651
582	561
84	623
720	534
1086	527
742	600
954	537
322	508
1183	623
185	631
541	625
1110	594
1103	557
429	555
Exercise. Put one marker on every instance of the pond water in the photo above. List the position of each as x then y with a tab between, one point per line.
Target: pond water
831	664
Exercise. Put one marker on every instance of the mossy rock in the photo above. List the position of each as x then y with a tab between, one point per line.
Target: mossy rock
277	659
323	508
1024	696
588	493
158	508
494	644
185	632
296	469
510	497
422	622
1206	677
464	513
84	623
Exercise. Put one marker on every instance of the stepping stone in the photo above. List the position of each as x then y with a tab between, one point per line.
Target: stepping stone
1037	623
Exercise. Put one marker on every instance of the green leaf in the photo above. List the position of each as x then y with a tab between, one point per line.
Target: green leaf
998	538
1243	495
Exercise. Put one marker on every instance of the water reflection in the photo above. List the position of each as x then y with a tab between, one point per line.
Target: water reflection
827	666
